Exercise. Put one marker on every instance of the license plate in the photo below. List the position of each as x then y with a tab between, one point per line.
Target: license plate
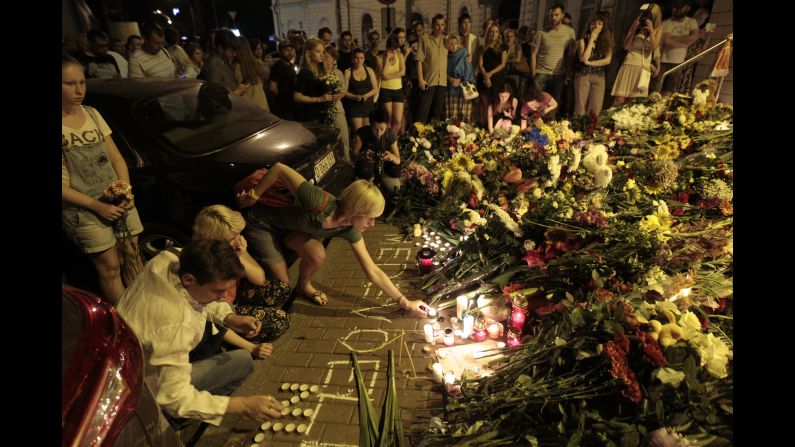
323	166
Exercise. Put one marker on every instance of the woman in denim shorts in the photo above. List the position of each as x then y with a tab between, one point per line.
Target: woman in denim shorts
90	162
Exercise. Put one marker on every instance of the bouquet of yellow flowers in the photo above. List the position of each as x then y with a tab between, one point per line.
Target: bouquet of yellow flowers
118	192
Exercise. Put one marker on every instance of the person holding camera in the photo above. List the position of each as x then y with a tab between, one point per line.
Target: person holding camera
375	152
643	38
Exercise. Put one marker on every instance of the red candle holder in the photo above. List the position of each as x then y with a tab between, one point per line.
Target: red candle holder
514	337
518	312
425	260
479	330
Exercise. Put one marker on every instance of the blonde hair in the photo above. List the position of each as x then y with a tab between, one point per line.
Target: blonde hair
362	198
493	43
214	221
451	37
306	62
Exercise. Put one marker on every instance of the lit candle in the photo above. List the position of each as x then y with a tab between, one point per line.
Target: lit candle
514	336
518	312
469	322
437	372
449	378
425	260
461	305
428	333
494	329
449	337
431	312
479	329
455	323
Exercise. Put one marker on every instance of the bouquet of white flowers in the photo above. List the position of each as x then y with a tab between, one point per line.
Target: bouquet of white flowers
332	84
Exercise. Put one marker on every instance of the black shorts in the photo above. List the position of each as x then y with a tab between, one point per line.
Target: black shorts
388	95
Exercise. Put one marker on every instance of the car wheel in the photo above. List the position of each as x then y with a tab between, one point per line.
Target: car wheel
157	237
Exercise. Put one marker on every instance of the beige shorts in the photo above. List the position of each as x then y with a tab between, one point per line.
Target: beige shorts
93	234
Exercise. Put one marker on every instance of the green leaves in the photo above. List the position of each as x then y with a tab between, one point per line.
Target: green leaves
389	433
368	433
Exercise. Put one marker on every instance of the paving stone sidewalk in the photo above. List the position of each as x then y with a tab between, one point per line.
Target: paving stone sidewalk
312	352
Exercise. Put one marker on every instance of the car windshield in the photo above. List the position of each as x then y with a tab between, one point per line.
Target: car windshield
204	118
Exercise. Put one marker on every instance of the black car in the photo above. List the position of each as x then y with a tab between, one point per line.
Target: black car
187	142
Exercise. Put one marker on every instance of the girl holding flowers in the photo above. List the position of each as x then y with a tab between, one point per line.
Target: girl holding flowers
91	163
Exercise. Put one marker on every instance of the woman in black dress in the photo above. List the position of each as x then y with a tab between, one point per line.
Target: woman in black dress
493	60
362	87
310	91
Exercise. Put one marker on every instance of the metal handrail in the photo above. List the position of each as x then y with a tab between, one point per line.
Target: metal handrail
658	84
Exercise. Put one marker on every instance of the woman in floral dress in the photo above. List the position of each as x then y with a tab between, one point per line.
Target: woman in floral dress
254	295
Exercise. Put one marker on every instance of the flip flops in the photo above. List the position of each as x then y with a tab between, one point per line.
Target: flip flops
319	298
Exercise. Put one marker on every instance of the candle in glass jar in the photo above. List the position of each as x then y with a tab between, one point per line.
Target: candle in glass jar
425	259
469	322
437	372
428	333
494	329
455	323
479	330
449	337
461	305
518	311
514	336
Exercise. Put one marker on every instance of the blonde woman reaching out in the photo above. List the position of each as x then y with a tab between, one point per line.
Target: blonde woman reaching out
302	228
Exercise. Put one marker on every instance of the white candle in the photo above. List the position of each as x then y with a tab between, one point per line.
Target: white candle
461	304
449	378
437	372
428	333
469	323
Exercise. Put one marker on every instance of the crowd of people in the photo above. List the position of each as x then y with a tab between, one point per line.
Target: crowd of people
230	285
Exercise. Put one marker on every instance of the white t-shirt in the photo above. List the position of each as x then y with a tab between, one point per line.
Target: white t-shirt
87	134
677	29
121	62
145	65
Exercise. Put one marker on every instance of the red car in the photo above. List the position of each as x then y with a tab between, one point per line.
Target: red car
104	401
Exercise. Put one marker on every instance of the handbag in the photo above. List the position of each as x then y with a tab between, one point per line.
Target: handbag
645	74
643	81
470	92
522	67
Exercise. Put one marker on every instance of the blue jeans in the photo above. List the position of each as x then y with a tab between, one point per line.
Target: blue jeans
221	374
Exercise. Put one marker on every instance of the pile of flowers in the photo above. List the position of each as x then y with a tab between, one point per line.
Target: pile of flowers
621	226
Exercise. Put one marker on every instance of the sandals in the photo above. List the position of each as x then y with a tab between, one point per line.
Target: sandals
319	298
